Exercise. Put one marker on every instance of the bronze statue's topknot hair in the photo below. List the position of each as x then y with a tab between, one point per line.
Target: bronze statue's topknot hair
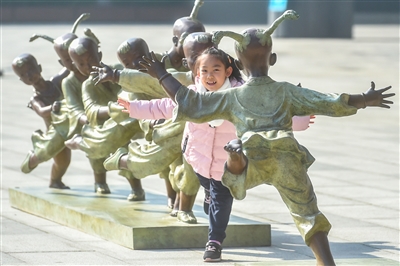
196	7
263	35
88	32
82	17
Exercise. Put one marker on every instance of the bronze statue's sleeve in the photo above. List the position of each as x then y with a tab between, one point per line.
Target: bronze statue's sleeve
305	102
137	82
89	97
185	78
72	90
202	107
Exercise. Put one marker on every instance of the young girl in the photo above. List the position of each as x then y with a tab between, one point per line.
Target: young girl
203	144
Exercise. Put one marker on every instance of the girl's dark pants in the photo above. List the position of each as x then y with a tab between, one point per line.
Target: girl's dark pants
220	207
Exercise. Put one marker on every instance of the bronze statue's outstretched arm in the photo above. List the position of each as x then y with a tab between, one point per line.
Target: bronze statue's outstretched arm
156	69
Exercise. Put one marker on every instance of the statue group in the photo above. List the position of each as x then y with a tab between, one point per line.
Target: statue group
194	115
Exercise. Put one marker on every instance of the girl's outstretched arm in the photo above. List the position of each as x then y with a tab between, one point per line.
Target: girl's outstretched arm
154	109
156	69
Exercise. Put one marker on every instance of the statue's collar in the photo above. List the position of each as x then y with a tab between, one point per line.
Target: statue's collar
259	80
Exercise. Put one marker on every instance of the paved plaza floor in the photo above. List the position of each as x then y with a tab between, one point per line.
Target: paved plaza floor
355	176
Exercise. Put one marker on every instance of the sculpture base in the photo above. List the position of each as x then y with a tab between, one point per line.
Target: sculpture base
136	225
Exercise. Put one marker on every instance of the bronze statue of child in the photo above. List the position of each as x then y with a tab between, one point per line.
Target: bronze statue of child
51	143
46	103
261	110
119	129
85	54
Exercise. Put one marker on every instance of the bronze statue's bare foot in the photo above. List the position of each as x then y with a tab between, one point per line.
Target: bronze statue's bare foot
58	185
137	195
26	164
73	143
113	162
236	161
101	188
170	204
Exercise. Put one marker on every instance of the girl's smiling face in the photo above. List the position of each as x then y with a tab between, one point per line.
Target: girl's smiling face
212	71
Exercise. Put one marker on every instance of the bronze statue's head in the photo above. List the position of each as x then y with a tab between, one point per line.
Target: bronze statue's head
26	67
131	51
194	44
186	25
84	52
61	45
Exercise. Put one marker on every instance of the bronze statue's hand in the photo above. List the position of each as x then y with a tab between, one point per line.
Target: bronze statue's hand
377	98
156	122
56	107
153	66
234	146
102	74
83	120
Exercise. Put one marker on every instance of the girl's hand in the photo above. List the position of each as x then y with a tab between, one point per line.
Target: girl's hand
153	66
124	104
312	117
376	97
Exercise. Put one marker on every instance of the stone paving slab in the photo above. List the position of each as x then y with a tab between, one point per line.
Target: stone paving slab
138	225
339	262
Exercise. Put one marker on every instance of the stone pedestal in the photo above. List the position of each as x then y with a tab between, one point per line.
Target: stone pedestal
136	225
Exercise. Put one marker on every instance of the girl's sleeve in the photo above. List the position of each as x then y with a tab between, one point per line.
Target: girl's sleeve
300	123
153	109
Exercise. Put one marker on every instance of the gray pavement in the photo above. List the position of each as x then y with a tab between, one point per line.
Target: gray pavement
355	176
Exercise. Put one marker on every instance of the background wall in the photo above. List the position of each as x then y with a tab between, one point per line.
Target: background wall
166	11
